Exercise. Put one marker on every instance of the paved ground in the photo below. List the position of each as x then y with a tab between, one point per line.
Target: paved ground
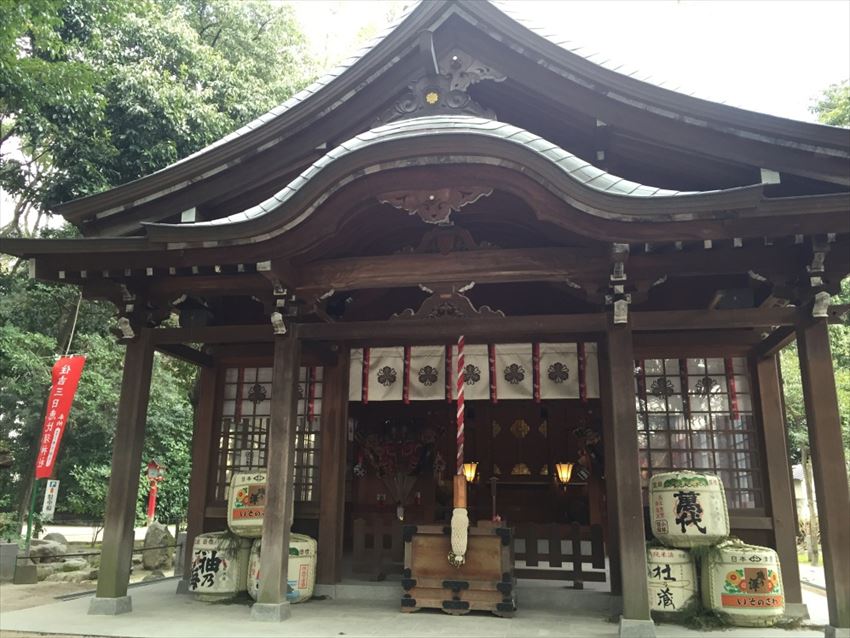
159	612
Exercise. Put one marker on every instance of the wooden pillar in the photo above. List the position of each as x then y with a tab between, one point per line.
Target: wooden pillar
117	551
830	471
619	366
333	443
608	433
202	438
272	604
780	489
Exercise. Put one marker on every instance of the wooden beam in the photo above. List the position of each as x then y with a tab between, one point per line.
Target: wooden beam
272	603
609	433
202	440
784	335
712	319
333	443
830	470
214	334
117	552
778	478
618	364
480	266
186	353
483	329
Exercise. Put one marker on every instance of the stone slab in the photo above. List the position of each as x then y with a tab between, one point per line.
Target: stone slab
836	632
630	628
271	612
110	606
182	586
8	556
797	610
25	574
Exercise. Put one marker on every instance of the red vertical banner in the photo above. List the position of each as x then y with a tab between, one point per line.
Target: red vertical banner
491	357
733	390
66	377
405	388
365	388
582	372
449	374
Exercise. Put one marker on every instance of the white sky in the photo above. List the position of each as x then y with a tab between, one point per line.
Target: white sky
769	56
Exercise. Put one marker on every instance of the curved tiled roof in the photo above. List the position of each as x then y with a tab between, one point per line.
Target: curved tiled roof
364	66
570	169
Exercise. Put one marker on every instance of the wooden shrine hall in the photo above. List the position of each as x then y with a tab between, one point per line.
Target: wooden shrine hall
624	262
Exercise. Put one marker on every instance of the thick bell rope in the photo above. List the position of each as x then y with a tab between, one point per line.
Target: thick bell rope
460	518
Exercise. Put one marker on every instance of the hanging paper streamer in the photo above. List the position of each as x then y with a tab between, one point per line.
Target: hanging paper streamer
683	381
582	372
365	378
449	373
641	382
733	389
405	393
355	375
491	360
535	362
460	415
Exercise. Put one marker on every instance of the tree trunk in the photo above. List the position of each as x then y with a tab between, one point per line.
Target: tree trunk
812	536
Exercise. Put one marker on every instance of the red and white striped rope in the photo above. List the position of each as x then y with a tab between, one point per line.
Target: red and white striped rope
460	385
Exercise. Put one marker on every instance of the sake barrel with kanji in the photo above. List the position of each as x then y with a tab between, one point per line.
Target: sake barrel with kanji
246	504
300	574
219	566
672	579
688	509
744	582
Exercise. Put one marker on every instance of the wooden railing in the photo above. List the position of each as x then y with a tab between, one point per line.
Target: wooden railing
378	547
553	536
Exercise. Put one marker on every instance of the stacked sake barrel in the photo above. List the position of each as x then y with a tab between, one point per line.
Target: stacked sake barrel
689	511
246	504
219	566
301	570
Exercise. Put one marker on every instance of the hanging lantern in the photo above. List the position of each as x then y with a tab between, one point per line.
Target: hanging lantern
470	470
564	472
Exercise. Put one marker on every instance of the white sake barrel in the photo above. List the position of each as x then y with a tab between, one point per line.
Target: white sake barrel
300	575
688	509
219	566
744	582
672	579
246	504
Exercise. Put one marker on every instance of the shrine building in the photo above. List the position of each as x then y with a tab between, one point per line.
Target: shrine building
623	261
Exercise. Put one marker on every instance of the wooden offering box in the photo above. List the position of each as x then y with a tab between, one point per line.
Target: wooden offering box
484	582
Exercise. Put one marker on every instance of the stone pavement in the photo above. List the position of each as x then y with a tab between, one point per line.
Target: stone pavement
159	612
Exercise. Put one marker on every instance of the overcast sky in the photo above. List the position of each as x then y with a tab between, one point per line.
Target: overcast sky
768	56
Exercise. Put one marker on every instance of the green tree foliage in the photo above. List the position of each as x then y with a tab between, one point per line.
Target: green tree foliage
95	93
833	107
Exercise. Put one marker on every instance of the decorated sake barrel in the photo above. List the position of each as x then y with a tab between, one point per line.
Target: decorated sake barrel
672	578
744	582
246	504
300	575
219	566
688	509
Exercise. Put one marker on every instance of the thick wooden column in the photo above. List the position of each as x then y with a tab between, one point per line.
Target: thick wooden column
781	491
333	443
117	552
619	365
608	433
830	471
272	604
202	437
